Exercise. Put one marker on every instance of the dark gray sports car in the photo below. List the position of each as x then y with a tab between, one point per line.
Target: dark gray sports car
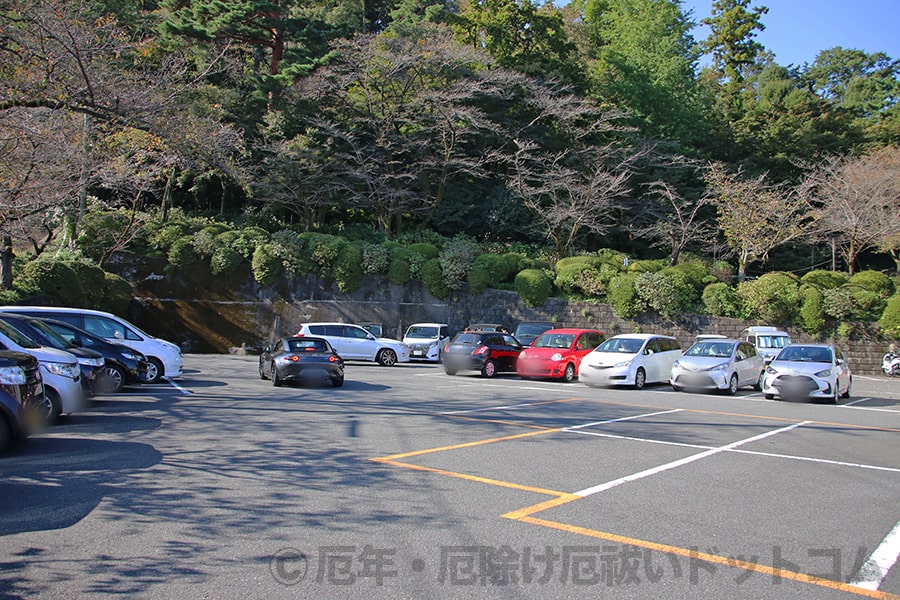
301	359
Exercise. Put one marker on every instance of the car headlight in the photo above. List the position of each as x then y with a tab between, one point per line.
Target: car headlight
91	362
676	365
627	363
556	357
132	356
63	369
12	375
720	368
771	371
825	373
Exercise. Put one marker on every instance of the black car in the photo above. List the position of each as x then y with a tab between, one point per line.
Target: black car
23	405
301	359
123	366
528	331
490	352
89	361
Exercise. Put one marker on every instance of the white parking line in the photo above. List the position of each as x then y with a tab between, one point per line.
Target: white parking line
682	461
874	570
184	391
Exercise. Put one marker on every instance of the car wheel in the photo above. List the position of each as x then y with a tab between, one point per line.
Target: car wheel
837	393
154	370
449	371
732	385
759	381
54	406
276	380
262	374
768	396
677	388
640	378
112	379
569	373
849	385
489	369
386	357
337	382
5	434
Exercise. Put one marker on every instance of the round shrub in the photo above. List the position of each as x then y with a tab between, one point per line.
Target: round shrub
890	318
838	304
570	271
824	280
92	279
398	269
225	260
265	264
667	292
695	274
622	296
347	270
456	259
433	278
723	271
487	271
117	294
867	305
207	240
873	281
325	252
646	266
55	279
721	300
248	239
100	231
426	250
291	249
181	253
376	258
165	235
773	298
534	286
811	317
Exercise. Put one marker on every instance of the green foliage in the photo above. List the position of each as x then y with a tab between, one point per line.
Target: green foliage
163	236
181	253
811	317
398	269
825	280
55	279
266	264
225	260
696	274
433	278
622	295
487	271
873	281
721	300
248	239
723	271
456	260
575	271
667	292
426	250
890	318
773	298
92	278
117	294
208	240
375	259
10	296
533	286
101	230
838	304
348	270
291	248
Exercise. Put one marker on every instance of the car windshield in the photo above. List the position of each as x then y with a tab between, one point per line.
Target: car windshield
17	336
621	345
714	349
806	354
51	334
307	345
772	341
554	340
531	329
422	331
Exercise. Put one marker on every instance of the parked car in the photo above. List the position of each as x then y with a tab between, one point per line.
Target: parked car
301	359
723	365
22	401
164	358
528	331
632	359
808	371
60	372
489	352
89	361
768	340
478	327
123	366
352	342
557	353
426	341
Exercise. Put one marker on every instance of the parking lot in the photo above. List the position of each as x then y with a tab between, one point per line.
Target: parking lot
409	483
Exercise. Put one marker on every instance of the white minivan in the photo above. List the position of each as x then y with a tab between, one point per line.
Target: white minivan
164	359
59	370
631	359
426	341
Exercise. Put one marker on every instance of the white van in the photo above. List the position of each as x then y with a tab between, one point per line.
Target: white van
59	370
633	359
426	341
164	358
768	340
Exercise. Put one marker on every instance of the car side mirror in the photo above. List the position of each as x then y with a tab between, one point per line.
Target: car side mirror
267	349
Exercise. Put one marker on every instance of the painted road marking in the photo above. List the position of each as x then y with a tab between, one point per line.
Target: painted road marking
874	570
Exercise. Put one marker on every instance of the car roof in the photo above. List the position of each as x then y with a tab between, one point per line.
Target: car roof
571	330
57	309
329	323
428	325
802	345
640	336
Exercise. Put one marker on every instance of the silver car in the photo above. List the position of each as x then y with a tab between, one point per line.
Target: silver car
722	365
808	371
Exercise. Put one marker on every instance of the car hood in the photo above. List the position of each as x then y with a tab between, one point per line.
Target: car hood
531	352
608	359
799	368
389	341
701	363
419	340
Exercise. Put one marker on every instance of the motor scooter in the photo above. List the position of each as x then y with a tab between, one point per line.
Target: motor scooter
890	364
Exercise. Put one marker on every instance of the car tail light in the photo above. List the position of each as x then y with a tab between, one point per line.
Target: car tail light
482	350
332	359
295	358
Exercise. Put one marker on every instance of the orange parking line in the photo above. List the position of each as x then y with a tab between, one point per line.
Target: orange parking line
464	445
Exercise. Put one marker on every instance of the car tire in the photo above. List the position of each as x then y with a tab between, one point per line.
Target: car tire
5	434
54	406
759	381
386	357
337	382
569	373
733	385
849	385
112	379
836	397
640	379
677	388
155	370
489	369
449	371
262	374
276	380
768	396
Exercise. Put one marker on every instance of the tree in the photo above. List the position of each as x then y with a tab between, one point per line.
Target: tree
672	221
754	215
730	41
857	202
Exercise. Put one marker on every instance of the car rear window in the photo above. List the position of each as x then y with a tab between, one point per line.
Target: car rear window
467	338
302	345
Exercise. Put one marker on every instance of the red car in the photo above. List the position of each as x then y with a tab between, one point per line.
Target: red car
557	353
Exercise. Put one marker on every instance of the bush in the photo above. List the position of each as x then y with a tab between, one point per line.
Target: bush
811	317
291	249
433	278
573	271
646	266
181	253
622	295
487	271
55	279
873	281
838	304
376	258
163	236
225	260
265	264
101	230
207	240
348	271
248	240
92	278
723	271
695	273
824	280
426	250
773	298
533	286
890	318
325	252
456	260
721	300
398	269
117	294
667	292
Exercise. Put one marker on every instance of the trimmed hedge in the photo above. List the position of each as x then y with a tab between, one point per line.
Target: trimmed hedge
533	286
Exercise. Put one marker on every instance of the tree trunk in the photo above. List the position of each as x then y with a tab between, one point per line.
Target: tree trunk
6	263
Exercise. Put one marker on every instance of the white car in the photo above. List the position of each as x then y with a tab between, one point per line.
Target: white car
164	359
59	370
630	359
808	371
352	342
768	340
723	365
426	341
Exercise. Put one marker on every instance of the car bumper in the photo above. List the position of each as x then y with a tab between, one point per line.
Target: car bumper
593	375
798	387
702	380
71	393
424	352
540	368
463	363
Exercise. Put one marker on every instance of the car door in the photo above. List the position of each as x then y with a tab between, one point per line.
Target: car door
669	351
358	342
842	380
747	364
509	349
652	359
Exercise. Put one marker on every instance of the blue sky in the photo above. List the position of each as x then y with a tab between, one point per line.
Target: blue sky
797	30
